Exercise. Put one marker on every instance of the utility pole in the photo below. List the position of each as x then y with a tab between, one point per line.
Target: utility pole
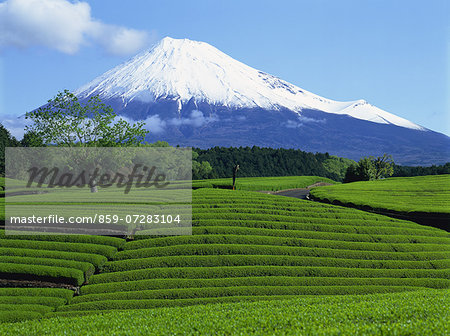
235	170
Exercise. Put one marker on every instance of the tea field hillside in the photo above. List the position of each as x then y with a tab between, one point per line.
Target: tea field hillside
429	194
425	199
248	251
409	313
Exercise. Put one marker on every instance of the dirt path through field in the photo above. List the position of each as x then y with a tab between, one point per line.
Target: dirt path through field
301	193
296	193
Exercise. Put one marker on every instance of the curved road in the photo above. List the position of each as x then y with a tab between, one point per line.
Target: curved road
296	193
301	193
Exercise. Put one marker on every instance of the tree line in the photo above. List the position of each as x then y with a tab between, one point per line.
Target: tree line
218	162
258	161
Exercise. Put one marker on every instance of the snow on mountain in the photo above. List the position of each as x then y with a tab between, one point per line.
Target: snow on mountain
181	69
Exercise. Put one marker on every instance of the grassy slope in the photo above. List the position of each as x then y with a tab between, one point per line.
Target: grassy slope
27	303
57	258
279	244
429	194
262	183
112	195
283	246
416	313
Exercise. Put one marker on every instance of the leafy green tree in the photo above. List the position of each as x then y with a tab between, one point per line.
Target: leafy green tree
200	170
337	166
370	168
366	169
6	140
65	121
383	165
351	175
31	139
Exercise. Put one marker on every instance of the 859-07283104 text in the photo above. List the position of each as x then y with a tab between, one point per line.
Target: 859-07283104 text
98	218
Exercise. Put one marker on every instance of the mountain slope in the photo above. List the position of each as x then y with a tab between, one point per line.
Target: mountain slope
190	93
185	69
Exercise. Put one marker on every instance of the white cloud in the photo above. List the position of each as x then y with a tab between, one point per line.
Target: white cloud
154	124
292	124
310	120
65	26
196	119
119	40
302	120
15	125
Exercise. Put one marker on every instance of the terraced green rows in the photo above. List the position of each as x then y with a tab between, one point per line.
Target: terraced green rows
105	250
43	260
205	272
429	194
83	239
183	283
17	304
158	298
410	313
271	248
245	246
94	259
68	259
256	236
249	245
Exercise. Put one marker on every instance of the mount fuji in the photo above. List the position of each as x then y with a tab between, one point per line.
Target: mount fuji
192	94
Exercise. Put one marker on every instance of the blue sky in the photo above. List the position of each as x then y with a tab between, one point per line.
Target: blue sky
392	53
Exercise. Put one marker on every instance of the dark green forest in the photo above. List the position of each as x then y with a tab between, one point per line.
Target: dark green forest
403	171
253	161
256	161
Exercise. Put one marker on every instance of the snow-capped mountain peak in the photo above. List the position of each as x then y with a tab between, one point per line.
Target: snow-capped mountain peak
182	69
